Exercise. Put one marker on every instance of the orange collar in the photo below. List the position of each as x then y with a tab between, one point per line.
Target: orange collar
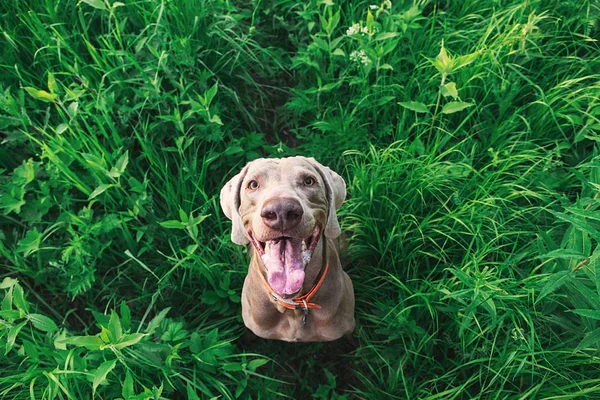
302	302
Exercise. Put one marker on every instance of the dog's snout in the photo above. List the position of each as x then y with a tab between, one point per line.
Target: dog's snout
282	213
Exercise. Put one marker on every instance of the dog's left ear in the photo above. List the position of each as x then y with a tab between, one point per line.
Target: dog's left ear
335	187
230	203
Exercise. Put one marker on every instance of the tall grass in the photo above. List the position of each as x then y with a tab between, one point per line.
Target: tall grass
467	133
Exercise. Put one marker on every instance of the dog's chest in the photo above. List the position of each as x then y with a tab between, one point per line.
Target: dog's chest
298	326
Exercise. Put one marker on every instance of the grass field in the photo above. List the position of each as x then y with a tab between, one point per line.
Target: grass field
468	134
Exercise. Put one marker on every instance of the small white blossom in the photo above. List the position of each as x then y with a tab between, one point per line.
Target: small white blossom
359	56
356	28
373	6
353	30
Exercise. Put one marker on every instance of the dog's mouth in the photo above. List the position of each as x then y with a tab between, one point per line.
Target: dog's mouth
285	258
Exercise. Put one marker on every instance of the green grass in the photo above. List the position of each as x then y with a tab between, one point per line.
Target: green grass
467	133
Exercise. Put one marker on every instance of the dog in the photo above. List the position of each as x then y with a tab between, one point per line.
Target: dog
296	289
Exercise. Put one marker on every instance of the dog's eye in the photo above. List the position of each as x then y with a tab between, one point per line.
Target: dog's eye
309	181
253	185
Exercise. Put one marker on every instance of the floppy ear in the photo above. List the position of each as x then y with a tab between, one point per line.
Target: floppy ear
230	203
335	188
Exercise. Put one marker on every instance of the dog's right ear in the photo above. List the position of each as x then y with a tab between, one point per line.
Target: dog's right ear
230	203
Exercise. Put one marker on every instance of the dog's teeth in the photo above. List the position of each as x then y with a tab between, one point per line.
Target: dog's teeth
306	255
304	245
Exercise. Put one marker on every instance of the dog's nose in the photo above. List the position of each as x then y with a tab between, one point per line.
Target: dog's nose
281	213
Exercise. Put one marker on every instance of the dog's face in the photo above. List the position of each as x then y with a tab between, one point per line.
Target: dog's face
284	207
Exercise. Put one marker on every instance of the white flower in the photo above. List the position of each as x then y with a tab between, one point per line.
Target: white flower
373	6
353	30
356	28
359	56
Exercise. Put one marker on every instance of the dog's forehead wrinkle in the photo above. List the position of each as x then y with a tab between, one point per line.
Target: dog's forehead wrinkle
282	171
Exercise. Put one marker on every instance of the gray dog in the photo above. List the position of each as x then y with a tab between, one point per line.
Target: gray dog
296	289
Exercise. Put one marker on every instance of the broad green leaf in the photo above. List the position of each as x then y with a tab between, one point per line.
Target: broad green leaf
19	300
127	391
333	22
31	350
105	334
89	342
12	335
73	107
330	86
385	66
59	340
94	161
462	61
198	219
216	119
99	190
210	94
242	384
30	243
384	100
11	204
386	35
455	106
232	367
414	106
591	338
61	128
254	364
191	393
172	224
41	94
341	53
52	83
98	4
7	301
449	90
25	173
183	217
114	327
370	22
125	316
10	315
130	339
122	162
442	62
102	372
579	223
554	282
462	276
8	282
593	314
571	254
580	212
42	323
155	323
442	56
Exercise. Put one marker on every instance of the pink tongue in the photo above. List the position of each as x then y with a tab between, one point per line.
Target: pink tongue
285	270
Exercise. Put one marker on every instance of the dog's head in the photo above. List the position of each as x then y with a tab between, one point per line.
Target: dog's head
283	207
